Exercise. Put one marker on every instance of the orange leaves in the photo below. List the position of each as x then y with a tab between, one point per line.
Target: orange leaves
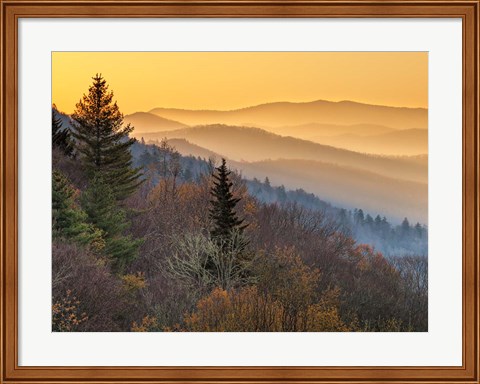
134	282
287	278
285	299
66	314
133	287
214	313
368	259
189	191
249	213
243	310
148	324
248	310
324	316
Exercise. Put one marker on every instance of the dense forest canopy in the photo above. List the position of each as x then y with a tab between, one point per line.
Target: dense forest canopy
147	239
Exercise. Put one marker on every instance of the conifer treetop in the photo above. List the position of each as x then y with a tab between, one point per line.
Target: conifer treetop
103	140
222	211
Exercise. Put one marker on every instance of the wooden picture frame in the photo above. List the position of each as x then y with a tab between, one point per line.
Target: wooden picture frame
12	10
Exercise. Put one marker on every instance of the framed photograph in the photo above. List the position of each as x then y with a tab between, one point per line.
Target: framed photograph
239	191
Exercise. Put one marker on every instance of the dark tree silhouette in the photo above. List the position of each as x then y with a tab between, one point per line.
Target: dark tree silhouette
222	211
405	226
103	141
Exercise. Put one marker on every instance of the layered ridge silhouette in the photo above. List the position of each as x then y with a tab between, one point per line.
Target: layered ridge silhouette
396	187
285	113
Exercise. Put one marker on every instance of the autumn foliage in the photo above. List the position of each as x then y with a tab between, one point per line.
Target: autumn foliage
66	314
184	246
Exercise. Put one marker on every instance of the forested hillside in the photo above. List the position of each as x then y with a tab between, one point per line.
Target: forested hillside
146	239
371	228
395	185
364	226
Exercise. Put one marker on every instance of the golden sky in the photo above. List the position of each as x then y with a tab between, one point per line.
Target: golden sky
142	81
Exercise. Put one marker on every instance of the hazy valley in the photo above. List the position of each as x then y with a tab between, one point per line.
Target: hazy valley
350	154
329	149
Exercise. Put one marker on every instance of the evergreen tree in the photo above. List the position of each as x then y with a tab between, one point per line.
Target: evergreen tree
282	194
103	140
359	217
222	211
145	159
68	220
369	220
99	203
61	137
165	151
405	225
418	230
343	218
267	182
385	227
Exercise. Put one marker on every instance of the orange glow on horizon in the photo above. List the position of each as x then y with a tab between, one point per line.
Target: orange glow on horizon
142	81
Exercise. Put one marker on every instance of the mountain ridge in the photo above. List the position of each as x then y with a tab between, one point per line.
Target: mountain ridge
291	113
150	122
254	144
412	141
288	103
335	184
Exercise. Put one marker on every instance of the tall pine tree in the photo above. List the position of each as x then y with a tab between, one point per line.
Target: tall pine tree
227	231
222	210
102	139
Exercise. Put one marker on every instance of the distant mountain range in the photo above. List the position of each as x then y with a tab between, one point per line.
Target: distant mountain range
325	148
403	142
253	144
285	113
395	186
148	122
344	186
307	131
349	125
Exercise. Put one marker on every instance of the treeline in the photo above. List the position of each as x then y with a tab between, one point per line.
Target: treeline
162	242
390	239
386	237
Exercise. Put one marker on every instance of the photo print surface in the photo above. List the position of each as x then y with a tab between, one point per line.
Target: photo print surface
239	191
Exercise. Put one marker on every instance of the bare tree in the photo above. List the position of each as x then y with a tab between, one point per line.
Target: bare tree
202	262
